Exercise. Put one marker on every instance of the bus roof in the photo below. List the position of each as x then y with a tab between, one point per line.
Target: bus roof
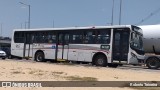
74	28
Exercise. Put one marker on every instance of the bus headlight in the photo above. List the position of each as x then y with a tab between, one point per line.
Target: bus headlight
133	55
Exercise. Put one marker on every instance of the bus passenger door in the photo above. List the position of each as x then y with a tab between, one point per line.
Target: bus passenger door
27	52
120	46
62	50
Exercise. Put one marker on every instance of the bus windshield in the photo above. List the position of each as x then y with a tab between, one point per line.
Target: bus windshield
137	40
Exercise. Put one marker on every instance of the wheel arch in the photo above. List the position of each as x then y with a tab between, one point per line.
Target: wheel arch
151	64
96	54
37	52
152	57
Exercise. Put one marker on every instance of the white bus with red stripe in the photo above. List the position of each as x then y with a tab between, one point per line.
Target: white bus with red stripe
99	45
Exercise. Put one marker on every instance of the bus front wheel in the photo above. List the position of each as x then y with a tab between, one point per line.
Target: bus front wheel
153	63
39	57
100	60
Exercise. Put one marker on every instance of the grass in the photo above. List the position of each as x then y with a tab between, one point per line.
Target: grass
17	72
67	63
77	78
40	73
53	73
32	72
3	67
12	69
29	68
37	72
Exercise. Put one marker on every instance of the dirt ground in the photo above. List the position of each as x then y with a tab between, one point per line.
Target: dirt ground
21	70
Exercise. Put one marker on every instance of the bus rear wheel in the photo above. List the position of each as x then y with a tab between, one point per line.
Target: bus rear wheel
100	60
153	63
39	57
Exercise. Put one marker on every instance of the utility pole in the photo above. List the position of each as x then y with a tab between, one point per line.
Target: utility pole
53	23
112	12
24	49
1	28
1	34
120	12
29	13
25	25
21	25
29	17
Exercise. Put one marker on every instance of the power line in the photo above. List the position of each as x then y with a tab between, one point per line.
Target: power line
149	16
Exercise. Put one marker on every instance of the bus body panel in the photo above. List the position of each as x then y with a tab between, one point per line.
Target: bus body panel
17	49
20	51
85	52
64	48
48	49
62	52
28	51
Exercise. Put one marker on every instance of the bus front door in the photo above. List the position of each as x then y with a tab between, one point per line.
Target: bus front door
120	46
62	50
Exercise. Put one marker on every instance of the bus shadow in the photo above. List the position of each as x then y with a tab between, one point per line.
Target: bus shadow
136	68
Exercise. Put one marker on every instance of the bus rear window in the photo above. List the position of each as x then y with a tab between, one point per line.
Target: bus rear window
19	37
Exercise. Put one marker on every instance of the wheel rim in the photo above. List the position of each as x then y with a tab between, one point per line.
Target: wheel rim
39	57
100	61
153	62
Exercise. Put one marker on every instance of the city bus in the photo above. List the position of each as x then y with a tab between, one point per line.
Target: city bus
99	45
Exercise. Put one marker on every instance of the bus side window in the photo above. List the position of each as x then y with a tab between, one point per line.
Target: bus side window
45	37
89	37
51	38
103	36
29	38
66	39
60	39
54	38
38	38
76	37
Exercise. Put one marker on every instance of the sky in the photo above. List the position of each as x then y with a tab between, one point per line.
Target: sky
71	13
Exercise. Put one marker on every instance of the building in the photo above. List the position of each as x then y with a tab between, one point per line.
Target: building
5	42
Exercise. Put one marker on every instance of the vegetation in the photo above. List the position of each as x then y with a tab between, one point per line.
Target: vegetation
77	78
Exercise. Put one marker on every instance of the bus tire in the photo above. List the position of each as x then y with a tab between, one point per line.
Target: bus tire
100	60
39	57
153	63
